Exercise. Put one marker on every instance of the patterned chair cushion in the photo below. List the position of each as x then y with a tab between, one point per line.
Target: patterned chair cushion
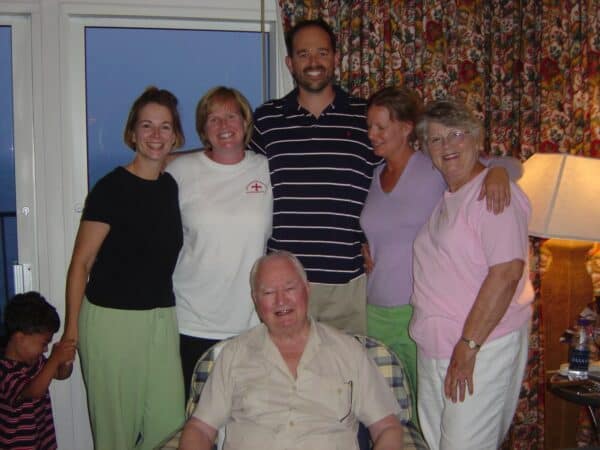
392	370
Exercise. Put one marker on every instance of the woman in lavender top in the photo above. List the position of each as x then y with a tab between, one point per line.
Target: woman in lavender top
403	193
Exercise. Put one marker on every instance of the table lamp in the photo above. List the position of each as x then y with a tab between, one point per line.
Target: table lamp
564	191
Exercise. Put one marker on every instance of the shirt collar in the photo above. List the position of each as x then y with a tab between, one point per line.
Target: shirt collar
340	101
313	343
262	343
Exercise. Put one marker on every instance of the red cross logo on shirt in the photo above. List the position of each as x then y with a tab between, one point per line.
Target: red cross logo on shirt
256	187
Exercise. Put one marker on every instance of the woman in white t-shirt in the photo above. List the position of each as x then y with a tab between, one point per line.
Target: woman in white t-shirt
226	207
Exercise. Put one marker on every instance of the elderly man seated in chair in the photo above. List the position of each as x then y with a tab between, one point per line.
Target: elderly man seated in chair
291	382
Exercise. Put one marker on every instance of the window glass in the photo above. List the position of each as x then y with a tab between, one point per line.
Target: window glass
121	62
8	225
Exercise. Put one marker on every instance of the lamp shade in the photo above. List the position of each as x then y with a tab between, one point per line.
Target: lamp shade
564	191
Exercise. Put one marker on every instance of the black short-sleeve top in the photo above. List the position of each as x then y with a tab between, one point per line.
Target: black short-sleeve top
135	263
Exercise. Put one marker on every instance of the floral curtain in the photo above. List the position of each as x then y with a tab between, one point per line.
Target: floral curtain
530	69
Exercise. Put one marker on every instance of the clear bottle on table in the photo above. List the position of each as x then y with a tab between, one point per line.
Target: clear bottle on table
579	354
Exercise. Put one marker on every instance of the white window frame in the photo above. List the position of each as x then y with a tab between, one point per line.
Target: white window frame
77	18
22	95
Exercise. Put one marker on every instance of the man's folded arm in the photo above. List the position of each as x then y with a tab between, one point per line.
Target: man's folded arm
197	435
387	433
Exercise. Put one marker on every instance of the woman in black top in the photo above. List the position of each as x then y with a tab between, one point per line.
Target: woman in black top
119	296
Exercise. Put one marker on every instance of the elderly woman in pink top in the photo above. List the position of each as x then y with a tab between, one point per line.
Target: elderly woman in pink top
471	294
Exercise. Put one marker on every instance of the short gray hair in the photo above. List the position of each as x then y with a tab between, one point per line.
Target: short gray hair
450	113
276	254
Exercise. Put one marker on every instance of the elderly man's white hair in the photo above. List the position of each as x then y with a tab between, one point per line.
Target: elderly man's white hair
276	254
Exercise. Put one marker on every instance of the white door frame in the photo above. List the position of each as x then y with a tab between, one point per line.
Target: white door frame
26	210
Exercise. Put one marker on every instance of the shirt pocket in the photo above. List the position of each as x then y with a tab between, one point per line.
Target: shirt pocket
330	397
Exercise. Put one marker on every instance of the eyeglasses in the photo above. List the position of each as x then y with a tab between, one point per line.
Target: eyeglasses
455	137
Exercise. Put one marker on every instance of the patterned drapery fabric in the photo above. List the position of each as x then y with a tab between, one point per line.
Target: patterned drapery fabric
530	69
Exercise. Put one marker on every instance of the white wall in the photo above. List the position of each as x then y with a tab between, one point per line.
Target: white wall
52	172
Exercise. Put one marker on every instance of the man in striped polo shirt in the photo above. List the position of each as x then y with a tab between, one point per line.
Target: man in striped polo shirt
321	165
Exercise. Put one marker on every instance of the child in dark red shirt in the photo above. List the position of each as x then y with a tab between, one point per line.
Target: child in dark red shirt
25	410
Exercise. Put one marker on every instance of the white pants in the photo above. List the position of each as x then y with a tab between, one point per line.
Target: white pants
482	420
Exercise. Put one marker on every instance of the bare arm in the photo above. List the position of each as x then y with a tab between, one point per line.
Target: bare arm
366	253
197	435
492	301
387	433
64	370
89	239
63	352
495	190
496	186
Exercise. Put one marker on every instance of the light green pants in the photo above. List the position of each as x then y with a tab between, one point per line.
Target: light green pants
390	326
132	372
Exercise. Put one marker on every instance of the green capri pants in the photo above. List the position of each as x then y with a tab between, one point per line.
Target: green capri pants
132	372
390	326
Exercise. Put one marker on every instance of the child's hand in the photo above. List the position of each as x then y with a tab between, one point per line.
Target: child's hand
64	351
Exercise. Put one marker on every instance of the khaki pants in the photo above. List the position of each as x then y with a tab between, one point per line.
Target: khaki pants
132	371
343	306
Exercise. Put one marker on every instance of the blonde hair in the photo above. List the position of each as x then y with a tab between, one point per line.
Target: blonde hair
222	94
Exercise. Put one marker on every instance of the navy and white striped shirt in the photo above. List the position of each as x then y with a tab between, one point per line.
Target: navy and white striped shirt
321	170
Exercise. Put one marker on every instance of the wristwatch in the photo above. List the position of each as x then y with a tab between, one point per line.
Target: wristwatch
471	343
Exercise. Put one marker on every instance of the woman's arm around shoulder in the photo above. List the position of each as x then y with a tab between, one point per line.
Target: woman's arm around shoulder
496	186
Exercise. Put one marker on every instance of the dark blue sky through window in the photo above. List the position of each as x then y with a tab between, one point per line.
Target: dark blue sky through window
8	225
122	62
7	154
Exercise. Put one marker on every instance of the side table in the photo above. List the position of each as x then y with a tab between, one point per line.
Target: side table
582	392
